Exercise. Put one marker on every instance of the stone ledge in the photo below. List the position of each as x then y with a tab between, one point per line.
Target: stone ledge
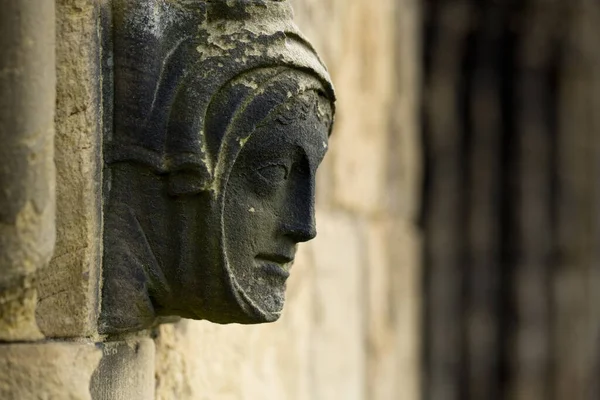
47	370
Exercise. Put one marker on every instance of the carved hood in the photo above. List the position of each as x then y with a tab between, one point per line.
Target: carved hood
174	60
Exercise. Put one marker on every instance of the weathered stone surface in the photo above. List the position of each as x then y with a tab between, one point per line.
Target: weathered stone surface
125	372
47	370
68	294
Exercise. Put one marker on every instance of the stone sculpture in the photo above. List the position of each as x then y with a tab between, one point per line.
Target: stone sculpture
222	115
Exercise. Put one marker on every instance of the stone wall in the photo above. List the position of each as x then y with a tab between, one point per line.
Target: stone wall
350	329
351	324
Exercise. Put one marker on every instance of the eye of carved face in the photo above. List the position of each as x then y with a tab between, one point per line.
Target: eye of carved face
270	176
269	207
273	174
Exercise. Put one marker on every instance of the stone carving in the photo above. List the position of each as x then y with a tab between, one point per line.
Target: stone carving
222	113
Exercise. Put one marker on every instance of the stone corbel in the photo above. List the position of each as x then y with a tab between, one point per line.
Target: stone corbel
222	114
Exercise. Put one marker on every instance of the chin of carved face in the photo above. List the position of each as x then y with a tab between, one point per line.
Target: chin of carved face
269	208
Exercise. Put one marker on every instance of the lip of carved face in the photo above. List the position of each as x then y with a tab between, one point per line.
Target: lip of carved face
277	263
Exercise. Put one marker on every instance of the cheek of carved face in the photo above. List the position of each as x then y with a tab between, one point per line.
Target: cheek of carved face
269	207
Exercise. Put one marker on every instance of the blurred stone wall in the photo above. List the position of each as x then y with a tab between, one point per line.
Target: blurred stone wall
350	329
511	202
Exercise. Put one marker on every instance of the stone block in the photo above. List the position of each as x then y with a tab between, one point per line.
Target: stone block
68	292
47	370
393	308
338	335
364	75
406	276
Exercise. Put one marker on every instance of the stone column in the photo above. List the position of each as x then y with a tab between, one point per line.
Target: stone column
30	368
27	95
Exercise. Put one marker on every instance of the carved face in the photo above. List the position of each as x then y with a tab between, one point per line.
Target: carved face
269	207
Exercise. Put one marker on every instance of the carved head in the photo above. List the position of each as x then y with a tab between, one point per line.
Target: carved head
215	164
266	185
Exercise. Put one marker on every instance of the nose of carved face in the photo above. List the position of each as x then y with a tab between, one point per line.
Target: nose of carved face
296	225
302	228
